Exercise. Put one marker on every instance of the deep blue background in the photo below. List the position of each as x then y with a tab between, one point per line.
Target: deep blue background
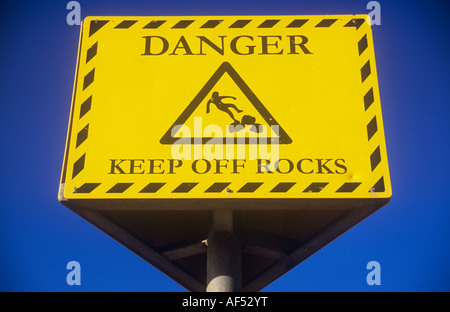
38	236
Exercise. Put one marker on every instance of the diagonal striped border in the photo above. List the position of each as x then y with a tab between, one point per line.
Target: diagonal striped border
154	24
218	187
348	187
91	52
250	187
211	24
326	22
86	188
126	24
368	100
283	187
96	25
315	187
182	24
152	187
82	135
119	188
185	187
88	79
78	165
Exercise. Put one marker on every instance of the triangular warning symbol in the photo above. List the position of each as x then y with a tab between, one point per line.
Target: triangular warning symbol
225	67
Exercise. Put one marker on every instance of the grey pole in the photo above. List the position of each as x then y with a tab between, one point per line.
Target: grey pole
223	269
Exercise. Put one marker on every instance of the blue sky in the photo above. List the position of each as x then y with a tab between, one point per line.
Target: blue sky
38	236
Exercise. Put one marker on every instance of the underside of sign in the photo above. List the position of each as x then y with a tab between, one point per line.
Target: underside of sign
277	118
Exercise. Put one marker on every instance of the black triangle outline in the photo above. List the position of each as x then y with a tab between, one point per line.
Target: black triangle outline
225	67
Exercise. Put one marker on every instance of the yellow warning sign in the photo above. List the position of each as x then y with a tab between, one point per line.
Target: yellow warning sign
228	108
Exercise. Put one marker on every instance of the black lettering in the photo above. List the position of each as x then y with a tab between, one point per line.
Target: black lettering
115	166
342	166
233	46
236	165
265	45
219	165
172	165
133	165
321	166
240	45
148	40
194	166
221	51
182	44
153	165
277	165
293	44
300	168
266	166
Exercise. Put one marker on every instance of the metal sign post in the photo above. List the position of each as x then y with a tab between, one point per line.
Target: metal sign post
223	254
